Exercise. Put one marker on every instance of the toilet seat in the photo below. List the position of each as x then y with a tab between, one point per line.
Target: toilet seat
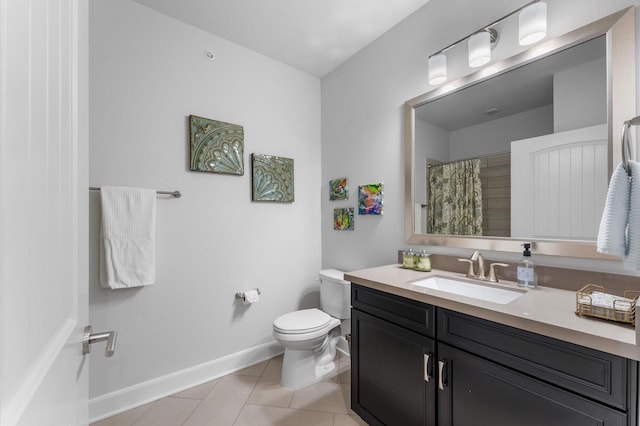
304	321
303	325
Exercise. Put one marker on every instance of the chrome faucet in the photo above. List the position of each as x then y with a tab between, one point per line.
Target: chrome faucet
481	275
477	257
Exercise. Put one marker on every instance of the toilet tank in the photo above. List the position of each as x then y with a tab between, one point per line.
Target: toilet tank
335	293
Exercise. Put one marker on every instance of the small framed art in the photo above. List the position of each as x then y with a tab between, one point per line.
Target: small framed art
343	219
338	189
370	199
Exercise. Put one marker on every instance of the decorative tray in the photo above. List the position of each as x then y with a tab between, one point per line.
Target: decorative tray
591	300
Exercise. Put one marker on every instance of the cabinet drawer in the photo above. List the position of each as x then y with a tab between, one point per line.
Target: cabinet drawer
407	313
597	375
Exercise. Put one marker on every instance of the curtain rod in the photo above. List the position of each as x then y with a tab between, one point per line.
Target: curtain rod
479	157
176	194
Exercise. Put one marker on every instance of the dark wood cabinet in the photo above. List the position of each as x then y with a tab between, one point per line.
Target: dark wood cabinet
478	392
594	374
387	387
415	364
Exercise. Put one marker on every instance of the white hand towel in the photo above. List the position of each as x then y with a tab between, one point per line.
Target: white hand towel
612	238
127	237
632	261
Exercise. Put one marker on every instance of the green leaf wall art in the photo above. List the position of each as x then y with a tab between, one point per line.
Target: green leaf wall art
216	146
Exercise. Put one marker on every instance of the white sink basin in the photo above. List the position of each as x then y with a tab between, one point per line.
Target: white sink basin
479	291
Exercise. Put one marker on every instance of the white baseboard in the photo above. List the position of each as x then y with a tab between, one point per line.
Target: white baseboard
125	399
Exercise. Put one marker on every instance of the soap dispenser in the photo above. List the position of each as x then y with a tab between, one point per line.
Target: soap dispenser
526	273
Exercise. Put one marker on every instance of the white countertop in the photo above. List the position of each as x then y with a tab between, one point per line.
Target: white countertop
543	310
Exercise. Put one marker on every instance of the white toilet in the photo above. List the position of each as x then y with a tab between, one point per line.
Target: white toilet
310	336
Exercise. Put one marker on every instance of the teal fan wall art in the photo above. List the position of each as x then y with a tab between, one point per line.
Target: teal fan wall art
272	178
216	146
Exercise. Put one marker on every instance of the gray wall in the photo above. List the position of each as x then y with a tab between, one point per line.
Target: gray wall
362	119
576	87
148	73
496	135
431	142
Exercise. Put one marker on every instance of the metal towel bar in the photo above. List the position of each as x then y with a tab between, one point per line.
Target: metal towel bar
176	194
625	145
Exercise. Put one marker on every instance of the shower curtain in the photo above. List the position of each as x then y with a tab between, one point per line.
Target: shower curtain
455	199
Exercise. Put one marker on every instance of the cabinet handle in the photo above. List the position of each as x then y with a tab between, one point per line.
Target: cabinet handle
441	381
427	367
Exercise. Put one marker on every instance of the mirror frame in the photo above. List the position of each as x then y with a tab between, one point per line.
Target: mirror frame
619	29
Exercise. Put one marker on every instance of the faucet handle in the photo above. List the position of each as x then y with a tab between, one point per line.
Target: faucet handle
493	277
470	272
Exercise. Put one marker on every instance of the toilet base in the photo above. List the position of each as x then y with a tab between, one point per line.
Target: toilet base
300	367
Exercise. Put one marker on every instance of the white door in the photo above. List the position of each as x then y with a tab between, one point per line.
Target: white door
43	212
559	184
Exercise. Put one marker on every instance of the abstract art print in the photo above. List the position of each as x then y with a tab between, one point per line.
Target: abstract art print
272	178
216	146
370	199
343	219
338	189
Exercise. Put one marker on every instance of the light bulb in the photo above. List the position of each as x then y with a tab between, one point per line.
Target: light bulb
437	69
532	22
479	49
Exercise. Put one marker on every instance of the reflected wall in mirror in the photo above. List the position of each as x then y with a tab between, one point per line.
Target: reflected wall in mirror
541	133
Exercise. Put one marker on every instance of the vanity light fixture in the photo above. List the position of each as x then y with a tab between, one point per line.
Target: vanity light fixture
480	45
532	21
437	69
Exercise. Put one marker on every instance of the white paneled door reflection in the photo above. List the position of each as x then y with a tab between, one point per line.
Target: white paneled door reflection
559	184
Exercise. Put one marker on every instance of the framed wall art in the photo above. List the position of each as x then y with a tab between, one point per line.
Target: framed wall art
343	219
272	178
216	146
338	189
370	199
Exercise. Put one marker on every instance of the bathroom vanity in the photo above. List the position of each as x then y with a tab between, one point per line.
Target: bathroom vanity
450	352
427	357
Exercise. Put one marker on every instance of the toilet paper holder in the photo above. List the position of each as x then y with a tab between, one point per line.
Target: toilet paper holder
240	295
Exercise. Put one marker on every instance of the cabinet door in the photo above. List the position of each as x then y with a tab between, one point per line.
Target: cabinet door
392	379
609	379
477	392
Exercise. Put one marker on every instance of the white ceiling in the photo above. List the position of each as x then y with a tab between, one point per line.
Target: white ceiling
314	36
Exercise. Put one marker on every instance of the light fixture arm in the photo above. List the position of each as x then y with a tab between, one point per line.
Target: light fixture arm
493	36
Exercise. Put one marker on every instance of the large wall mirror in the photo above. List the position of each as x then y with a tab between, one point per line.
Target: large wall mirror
533	144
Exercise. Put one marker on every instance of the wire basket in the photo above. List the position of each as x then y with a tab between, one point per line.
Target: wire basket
593	301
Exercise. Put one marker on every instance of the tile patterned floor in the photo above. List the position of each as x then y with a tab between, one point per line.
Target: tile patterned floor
251	397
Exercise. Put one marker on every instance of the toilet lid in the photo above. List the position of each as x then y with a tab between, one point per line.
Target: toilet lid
304	321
